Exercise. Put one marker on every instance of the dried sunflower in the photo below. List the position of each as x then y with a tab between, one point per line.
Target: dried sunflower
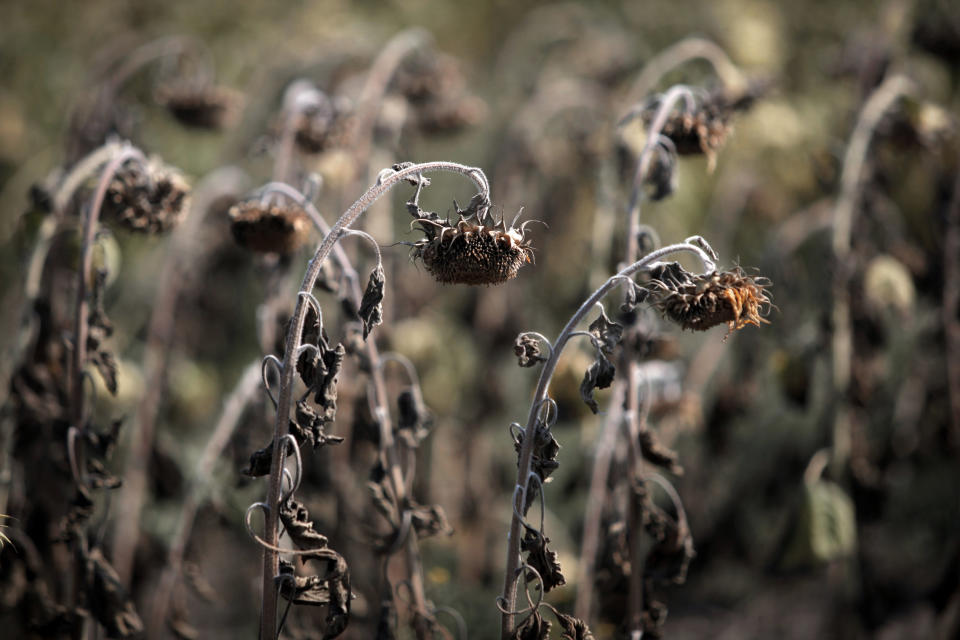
269	227
704	301
150	198
474	250
200	105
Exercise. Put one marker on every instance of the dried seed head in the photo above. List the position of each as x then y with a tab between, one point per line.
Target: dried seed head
328	125
199	104
703	131
269	228
151	199
721	297
428	76
475	250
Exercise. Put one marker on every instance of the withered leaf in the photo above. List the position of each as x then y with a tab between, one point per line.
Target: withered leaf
527	349
545	450
657	453
106	365
598	376
635	296
606	334
573	628
296	520
310	426
332	589
542	559
413	418
533	628
670	274
371	305
430	520
99	329
108	600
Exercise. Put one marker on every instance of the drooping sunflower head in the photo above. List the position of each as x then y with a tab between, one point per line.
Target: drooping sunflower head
149	198
474	250
703	301
269	227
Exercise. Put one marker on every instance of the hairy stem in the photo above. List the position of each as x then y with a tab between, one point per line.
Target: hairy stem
672	97
77	408
879	102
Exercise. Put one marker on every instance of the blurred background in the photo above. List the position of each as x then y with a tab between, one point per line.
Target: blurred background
820	504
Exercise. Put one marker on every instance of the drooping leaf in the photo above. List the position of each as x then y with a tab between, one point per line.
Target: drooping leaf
371	305
606	333
542	559
598	376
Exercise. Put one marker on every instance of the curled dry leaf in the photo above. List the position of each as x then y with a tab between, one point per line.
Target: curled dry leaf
606	333
542	559
598	376
654	451
99	329
371	305
413	419
545	450
527	349
109	602
533	628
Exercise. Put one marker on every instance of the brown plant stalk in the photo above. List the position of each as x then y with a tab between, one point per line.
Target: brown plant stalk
508	599
268	620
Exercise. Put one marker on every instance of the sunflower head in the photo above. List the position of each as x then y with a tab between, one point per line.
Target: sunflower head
474	250
704	301
150	198
269	227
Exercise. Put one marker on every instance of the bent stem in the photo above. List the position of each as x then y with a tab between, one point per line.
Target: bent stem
271	557
672	97
77	408
879	102
540	397
684	51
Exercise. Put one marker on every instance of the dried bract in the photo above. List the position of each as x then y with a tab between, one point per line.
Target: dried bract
269	227
151	199
705	301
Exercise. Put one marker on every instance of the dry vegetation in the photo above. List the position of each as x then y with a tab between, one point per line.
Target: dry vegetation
269	272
